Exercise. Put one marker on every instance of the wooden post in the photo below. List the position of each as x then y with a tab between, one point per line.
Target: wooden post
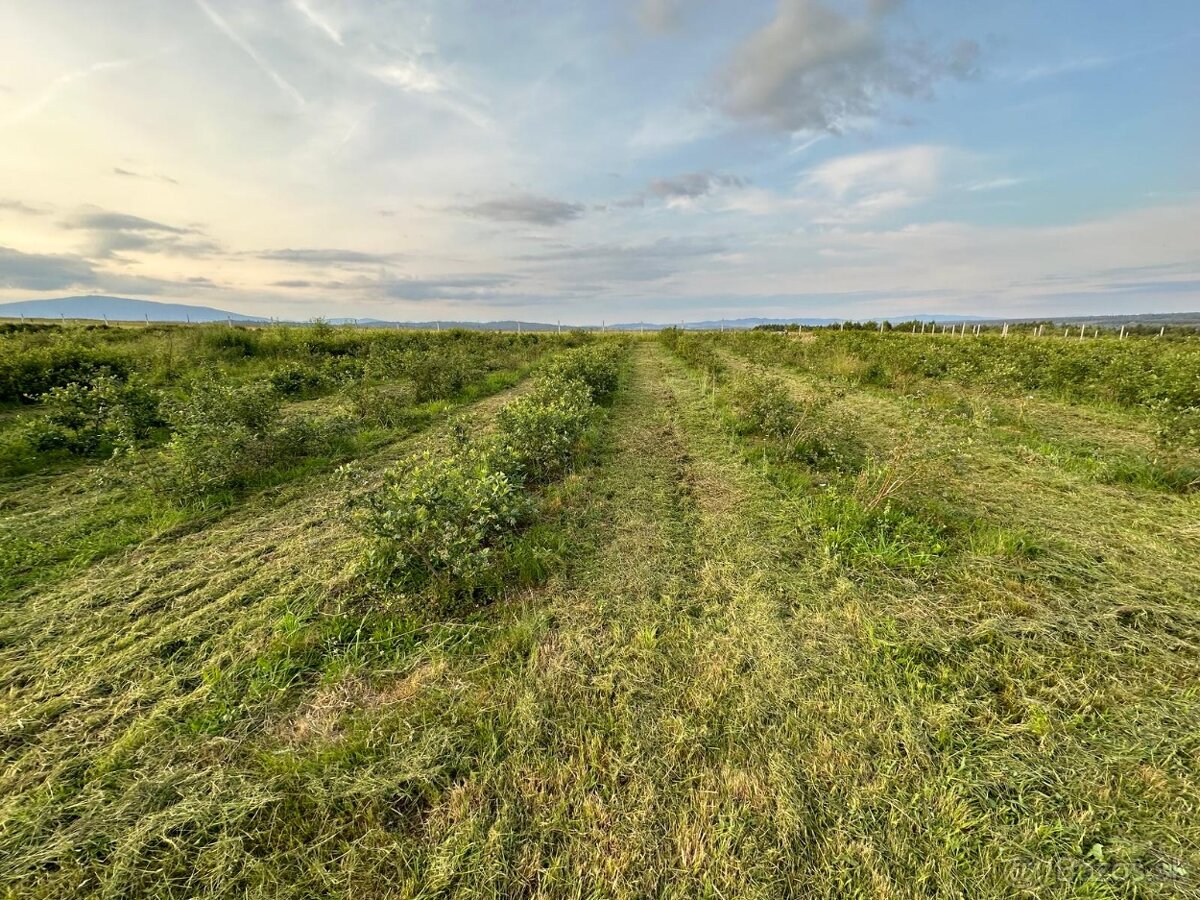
842	327
1122	333
1081	327
1162	330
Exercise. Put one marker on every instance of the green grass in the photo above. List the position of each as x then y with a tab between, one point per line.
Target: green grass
964	667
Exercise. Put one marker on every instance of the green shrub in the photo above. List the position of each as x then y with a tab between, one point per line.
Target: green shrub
440	517
453	518
389	405
233	341
440	374
696	349
29	371
597	367
1177	427
764	405
810	433
297	380
96	419
226	435
537	434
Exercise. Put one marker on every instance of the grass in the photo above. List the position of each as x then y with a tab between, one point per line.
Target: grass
965	666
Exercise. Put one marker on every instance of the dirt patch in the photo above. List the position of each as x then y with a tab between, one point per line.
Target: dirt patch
322	718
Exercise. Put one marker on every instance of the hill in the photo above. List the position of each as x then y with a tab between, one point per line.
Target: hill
120	309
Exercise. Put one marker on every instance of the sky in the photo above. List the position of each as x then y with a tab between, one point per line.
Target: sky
649	160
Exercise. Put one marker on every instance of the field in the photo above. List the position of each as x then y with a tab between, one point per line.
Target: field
312	611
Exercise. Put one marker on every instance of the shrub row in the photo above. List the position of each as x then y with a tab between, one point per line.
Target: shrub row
1149	373
33	360
696	349
809	432
111	403
450	519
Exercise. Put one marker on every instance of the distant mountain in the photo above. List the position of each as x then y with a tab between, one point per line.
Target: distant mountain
118	309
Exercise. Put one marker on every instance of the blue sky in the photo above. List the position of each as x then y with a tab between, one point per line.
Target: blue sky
654	159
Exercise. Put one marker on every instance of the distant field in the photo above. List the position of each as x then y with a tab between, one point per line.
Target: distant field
317	611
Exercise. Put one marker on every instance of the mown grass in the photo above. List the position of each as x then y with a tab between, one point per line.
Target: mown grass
953	667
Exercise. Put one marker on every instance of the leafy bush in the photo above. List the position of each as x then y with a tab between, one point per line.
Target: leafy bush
233	341
389	405
597	367
226	435
1133	372
693	348
810	432
29	371
1177	428
763	404
297	380
440	517
96	419
537	434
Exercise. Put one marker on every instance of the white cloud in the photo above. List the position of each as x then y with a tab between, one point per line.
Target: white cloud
995	184
914	168
246	47
814	68
409	75
659	16
318	21
65	81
